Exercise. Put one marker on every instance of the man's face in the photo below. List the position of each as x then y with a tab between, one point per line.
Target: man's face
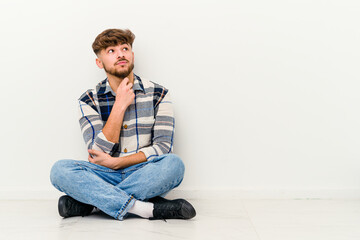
117	60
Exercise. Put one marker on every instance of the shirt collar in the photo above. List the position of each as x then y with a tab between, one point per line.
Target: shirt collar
104	87
138	85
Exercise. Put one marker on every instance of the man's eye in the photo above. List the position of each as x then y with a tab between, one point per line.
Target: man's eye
125	49
111	51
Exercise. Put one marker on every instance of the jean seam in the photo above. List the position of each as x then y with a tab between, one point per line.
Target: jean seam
123	208
131	170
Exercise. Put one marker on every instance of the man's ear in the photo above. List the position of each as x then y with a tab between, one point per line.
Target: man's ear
99	63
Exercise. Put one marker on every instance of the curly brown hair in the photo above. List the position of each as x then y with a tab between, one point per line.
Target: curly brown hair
112	37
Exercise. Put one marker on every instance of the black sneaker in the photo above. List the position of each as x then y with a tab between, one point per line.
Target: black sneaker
69	207
172	209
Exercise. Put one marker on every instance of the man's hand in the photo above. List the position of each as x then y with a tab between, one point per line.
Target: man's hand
103	159
125	94
124	97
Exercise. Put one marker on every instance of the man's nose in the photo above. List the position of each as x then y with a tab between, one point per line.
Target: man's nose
120	54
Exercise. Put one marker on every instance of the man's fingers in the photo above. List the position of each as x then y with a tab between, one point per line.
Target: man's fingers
129	85
93	152
125	81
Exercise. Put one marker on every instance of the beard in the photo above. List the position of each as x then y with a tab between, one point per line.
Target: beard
120	73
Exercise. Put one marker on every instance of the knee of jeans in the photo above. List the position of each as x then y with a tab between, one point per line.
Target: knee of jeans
58	171
175	167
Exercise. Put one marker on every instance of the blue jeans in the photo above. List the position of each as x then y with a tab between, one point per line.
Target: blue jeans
114	191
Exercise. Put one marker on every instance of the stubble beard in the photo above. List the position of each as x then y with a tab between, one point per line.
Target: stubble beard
120	74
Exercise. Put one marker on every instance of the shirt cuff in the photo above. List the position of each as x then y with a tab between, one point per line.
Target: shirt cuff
150	152
102	144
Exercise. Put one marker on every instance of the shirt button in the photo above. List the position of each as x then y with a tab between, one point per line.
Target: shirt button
125	126
125	150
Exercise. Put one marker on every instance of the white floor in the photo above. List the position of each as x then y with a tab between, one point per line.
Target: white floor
216	219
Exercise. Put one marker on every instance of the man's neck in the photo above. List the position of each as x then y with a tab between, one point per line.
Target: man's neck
115	81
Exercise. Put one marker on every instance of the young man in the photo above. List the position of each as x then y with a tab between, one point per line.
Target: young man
128	126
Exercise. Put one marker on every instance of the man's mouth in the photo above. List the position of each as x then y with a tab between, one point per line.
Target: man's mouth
122	62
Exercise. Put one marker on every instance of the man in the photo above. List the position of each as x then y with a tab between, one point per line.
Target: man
128	125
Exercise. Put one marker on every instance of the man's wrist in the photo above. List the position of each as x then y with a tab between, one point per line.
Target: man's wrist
118	161
120	106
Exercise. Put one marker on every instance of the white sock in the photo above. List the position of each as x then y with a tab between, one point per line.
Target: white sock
142	209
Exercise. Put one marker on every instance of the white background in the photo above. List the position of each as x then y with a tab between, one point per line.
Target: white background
266	93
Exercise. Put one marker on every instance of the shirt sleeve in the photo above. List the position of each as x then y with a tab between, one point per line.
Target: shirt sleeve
91	126
163	130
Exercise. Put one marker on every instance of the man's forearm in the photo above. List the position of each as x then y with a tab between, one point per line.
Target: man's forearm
112	127
127	161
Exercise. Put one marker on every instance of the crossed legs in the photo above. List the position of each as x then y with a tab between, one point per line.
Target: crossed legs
115	191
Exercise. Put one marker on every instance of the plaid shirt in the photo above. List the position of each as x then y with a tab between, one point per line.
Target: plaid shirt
148	124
